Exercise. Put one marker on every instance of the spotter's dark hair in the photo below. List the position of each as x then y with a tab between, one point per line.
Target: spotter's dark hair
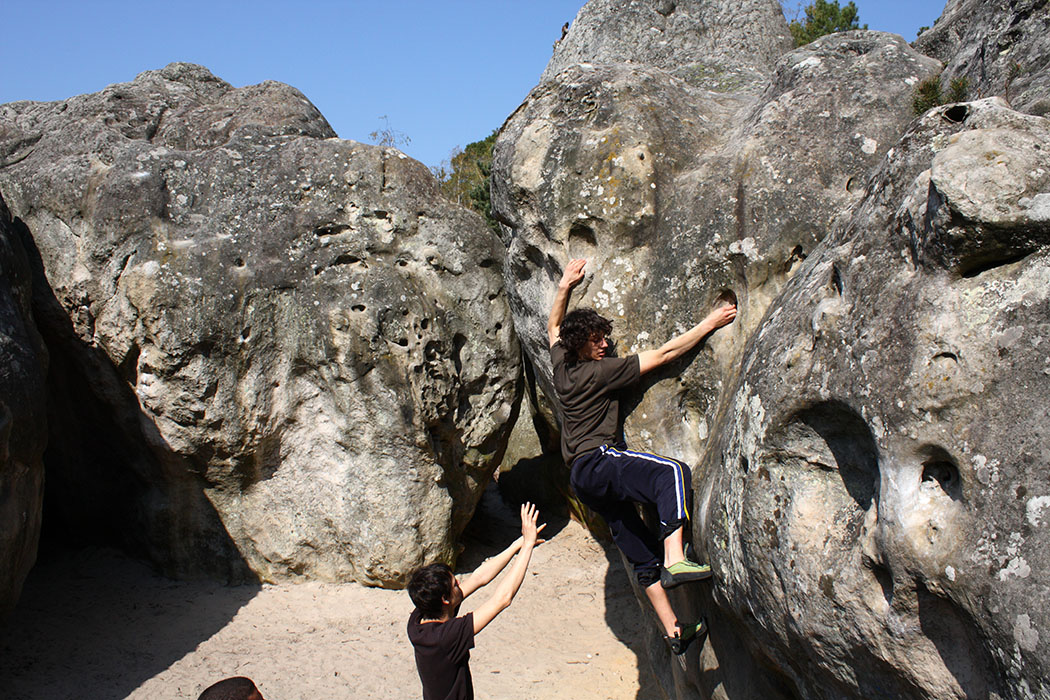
429	587
238	688
579	326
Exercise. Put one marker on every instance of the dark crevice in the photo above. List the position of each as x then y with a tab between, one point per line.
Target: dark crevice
458	341
975	268
330	230
836	279
885	579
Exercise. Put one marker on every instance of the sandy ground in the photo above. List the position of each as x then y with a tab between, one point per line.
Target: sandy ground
97	625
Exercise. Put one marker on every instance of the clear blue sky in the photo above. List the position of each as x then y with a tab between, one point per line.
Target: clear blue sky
444	72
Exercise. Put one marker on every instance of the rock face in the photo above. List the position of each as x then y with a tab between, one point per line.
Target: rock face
23	427
295	352
723	45
871	469
1001	48
878	507
676	193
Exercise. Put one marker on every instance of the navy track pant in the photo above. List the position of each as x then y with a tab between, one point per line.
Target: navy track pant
611	479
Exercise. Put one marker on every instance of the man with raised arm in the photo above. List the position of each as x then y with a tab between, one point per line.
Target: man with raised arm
441	638
606	476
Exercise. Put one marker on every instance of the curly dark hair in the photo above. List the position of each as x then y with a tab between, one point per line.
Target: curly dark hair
579	326
428	587
239	688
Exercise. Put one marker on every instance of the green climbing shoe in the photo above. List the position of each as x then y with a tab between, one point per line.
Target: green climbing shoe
689	631
683	572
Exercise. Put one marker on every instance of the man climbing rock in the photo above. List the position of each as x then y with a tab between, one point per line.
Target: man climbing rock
605	475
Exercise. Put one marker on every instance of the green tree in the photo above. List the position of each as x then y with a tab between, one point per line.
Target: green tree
822	18
928	93
464	178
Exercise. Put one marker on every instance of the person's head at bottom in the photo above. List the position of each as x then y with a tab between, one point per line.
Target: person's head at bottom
239	688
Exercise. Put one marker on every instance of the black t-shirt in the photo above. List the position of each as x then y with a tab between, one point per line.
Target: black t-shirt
587	392
443	656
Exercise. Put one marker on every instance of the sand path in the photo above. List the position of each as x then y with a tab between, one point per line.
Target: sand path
97	625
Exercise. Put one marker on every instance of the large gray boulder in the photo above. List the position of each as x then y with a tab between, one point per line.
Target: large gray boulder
676	192
913	573
877	507
300	350
724	46
23	426
1001	48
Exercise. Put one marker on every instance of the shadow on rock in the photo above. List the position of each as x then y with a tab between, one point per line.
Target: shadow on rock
111	478
495	525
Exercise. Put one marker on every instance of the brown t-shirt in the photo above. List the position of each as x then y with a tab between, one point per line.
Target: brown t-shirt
443	656
587	391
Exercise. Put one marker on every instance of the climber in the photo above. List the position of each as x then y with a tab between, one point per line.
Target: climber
442	640
606	476
238	688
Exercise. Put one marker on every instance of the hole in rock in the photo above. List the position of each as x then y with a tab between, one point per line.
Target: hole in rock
330	230
531	259
796	256
976	266
956	114
357	307
346	259
939	468
458	341
535	256
582	233
726	296
239	262
834	438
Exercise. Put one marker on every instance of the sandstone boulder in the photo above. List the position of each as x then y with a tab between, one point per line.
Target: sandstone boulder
23	426
301	350
677	193
877	503
723	46
1001	48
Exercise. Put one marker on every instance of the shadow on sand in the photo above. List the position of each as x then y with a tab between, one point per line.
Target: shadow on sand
96	615
87	612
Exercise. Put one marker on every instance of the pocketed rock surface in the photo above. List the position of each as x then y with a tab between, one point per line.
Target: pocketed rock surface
277	354
870	468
